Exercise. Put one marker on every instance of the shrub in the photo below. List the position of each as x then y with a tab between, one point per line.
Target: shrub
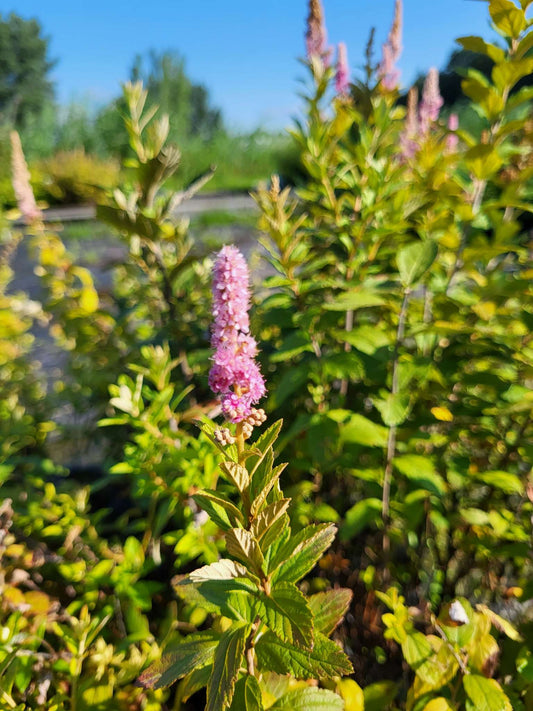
71	177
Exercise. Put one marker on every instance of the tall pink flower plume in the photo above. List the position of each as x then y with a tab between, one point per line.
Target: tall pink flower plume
409	136
21	181
431	102
392	49
342	74
452	140
316	35
235	375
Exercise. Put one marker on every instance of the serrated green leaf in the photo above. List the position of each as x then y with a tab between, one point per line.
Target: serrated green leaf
237	474
265	528
260	499
287	614
248	695
228	660
223	569
325	660
221	596
310	699
329	608
486	694
241	544
302	551
195	651
223	512
394	409
415	260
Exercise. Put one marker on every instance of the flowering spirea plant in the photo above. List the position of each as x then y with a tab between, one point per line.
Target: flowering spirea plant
267	633
235	375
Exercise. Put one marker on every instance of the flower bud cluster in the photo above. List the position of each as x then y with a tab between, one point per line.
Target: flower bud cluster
234	375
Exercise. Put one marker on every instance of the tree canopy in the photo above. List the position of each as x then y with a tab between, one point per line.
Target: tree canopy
25	86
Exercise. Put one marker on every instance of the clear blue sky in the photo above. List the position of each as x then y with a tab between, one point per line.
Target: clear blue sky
244	51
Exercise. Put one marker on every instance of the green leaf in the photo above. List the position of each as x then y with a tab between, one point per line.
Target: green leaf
415	260
360	430
500	623
301	552
292	346
266	527
248	695
329	608
310	699
228	660
394	409
356	299
359	516
232	597
477	44
483	160
506	482
260	499
223	569
422	472
416	650
325	660
287	614
509	19
380	695
263	445
222	511
485	694
193	682
197	650
241	544
439	704
237	474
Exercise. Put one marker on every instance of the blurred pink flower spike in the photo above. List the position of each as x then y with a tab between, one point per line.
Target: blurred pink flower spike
316	35
409	138
342	74
452	140
234	376
431	102
392	50
21	182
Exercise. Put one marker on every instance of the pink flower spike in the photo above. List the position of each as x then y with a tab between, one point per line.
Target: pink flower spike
234	376
452	140
342	75
392	50
316	35
409	136
21	182
432	101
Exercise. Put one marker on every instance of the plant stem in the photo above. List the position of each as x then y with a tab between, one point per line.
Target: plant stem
391	440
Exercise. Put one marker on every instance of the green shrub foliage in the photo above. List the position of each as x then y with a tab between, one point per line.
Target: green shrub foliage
387	564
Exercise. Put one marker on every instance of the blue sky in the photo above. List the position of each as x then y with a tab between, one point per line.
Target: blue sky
244	51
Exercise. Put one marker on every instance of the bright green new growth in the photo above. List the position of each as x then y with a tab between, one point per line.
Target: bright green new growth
267	625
